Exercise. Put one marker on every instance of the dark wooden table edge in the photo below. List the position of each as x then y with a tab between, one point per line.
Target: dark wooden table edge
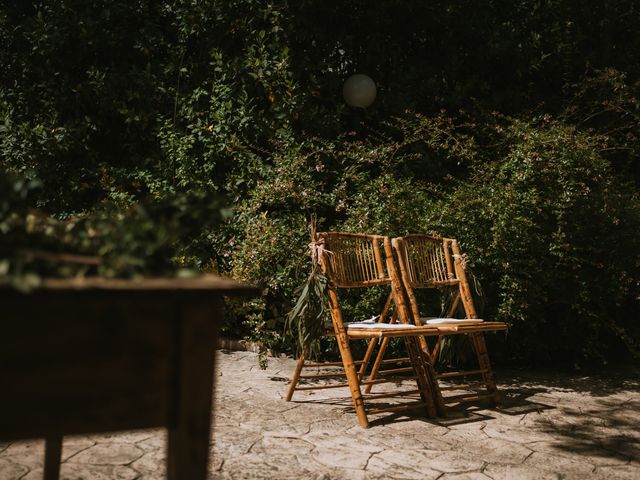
180	456
218	285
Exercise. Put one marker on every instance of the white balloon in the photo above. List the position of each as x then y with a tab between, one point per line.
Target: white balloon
359	90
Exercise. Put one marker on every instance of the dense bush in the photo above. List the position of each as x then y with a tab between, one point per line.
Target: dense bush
162	237
140	119
550	228
377	185
553	232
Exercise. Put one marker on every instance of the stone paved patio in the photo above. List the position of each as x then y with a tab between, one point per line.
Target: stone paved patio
553	427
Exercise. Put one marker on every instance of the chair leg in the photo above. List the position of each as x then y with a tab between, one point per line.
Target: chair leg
52	457
295	377
352	378
376	365
424	346
367	357
480	348
420	367
432	375
430	360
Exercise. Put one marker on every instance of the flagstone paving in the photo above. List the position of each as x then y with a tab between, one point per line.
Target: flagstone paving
551	427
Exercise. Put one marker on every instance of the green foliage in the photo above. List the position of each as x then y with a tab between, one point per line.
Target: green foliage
126	126
157	237
553	232
162	237
508	56
607	106
307	319
80	87
549	227
118	100
353	185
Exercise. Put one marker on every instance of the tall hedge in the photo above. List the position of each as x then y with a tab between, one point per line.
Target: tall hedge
553	232
512	126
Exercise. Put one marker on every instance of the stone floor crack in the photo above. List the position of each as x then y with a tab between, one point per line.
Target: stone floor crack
25	473
132	461
253	445
528	455
78	452
366	464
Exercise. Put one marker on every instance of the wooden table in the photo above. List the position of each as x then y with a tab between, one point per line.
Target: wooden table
99	355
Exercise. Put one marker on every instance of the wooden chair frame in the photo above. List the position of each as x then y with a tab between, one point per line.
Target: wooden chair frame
353	261
430	261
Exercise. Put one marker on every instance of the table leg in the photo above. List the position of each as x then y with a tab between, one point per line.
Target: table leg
189	430
52	457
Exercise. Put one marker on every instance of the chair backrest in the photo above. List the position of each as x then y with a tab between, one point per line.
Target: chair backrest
430	261
427	259
354	260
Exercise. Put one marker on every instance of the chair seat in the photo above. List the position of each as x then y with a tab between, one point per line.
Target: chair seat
463	327
382	330
440	321
430	326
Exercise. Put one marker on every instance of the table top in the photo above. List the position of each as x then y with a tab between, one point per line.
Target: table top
201	283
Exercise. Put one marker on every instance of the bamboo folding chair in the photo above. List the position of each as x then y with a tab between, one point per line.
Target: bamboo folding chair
429	261
359	261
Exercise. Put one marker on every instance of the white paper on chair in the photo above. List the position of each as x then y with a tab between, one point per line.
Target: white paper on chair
438	321
371	320
379	325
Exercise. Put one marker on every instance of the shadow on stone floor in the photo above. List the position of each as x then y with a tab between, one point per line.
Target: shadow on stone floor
596	415
594	431
599	383
587	414
456	415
